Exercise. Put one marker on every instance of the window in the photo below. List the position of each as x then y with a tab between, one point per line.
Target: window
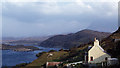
91	58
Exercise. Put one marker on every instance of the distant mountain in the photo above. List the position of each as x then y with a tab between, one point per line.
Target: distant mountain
73	39
28	40
9	39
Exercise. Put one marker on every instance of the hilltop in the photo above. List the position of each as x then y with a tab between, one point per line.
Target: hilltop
73	39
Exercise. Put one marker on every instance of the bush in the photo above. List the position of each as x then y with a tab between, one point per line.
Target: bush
52	51
39	54
61	50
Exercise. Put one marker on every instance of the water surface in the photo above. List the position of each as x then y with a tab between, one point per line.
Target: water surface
11	58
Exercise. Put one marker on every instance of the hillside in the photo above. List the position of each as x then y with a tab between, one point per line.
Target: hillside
74	39
112	44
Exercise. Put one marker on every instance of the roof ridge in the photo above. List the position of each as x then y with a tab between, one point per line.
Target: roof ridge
101	48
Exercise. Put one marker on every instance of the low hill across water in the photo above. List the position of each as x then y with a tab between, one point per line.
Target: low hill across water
18	48
24	40
74	39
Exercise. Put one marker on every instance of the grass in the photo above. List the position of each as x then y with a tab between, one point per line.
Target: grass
74	55
44	58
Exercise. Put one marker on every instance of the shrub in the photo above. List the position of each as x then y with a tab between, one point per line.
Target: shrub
52	51
39	54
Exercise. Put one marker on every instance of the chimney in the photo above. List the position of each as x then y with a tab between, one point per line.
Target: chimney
96	42
95	38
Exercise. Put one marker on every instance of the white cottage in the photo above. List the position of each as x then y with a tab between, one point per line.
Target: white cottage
97	54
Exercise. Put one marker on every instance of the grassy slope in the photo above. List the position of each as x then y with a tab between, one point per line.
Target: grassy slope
43	58
71	55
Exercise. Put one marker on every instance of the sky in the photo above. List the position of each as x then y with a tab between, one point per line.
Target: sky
27	19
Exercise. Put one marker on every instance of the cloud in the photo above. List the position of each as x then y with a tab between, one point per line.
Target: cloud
19	29
48	18
60	0
43	10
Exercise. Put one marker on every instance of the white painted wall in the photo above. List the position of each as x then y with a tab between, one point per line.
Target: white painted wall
97	53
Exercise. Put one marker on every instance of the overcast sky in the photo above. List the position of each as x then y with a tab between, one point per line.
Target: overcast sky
25	19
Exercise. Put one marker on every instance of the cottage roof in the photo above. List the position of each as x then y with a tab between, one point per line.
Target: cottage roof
53	63
101	48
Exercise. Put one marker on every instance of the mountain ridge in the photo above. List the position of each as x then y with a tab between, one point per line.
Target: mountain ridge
73	39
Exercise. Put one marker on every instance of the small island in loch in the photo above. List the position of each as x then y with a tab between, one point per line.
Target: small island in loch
19	48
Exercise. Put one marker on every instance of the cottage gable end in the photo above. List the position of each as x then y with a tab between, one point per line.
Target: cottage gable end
97	54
